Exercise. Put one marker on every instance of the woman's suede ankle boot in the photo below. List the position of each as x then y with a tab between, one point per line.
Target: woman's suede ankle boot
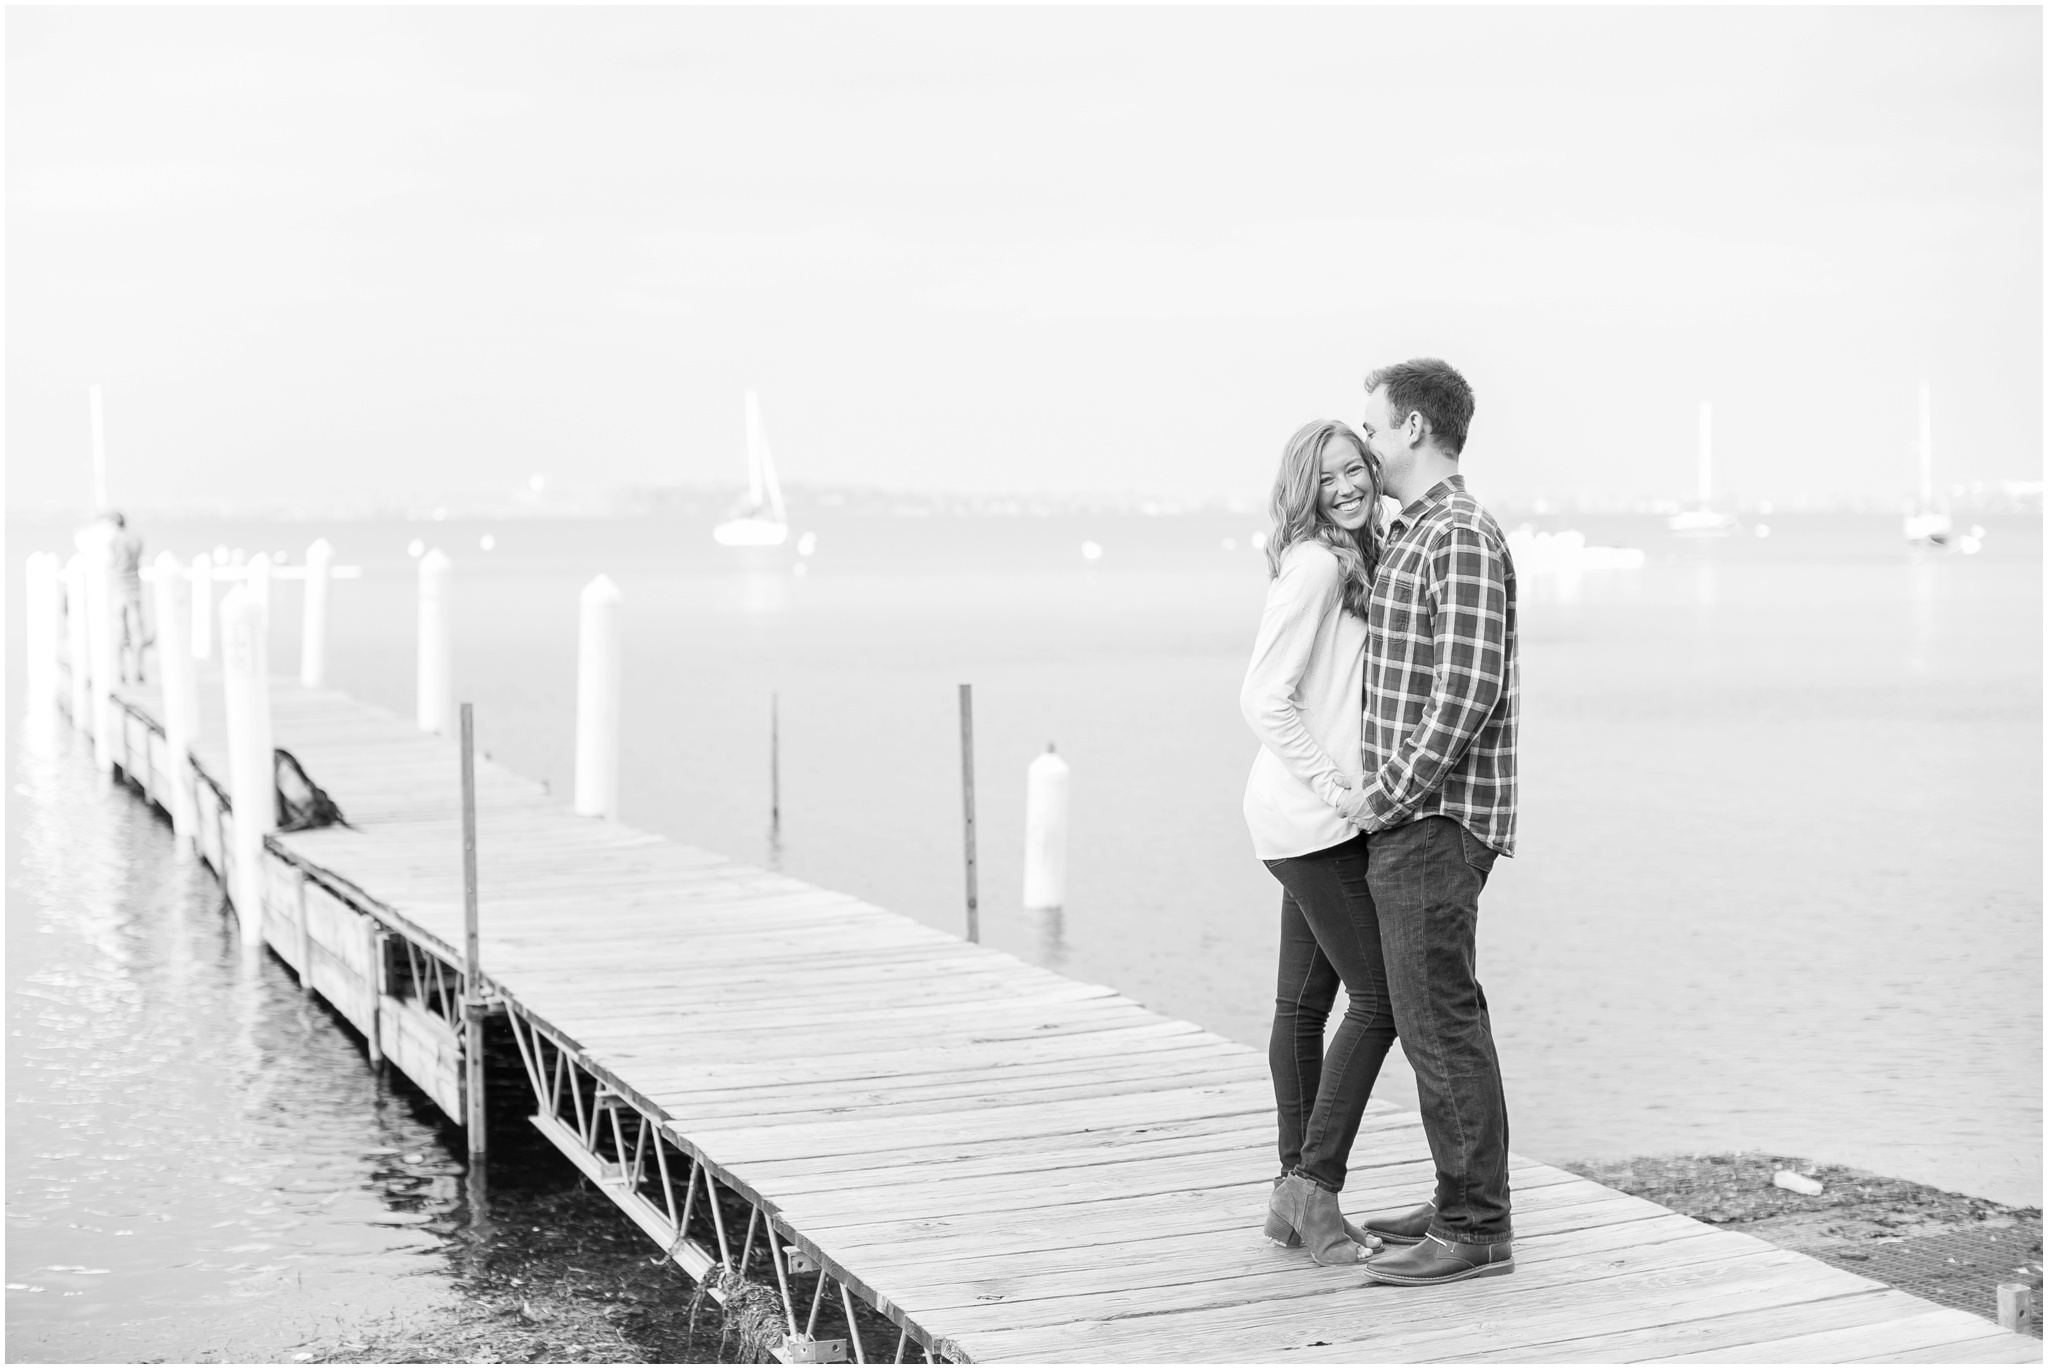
1310	1211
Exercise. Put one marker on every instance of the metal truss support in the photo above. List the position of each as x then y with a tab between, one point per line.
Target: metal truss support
681	1200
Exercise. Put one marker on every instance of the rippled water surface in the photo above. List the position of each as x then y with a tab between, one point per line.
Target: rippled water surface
1779	887
199	1164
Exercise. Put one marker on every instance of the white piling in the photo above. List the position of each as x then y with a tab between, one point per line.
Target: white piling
202	606
597	701
39	620
178	676
313	624
436	664
101	649
1045	832
252	775
78	642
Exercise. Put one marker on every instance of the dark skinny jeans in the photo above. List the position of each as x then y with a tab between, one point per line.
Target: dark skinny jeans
1329	933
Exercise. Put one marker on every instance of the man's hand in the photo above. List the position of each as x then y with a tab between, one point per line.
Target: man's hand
1350	803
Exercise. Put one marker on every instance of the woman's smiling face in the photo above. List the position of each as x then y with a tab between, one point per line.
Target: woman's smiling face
1345	494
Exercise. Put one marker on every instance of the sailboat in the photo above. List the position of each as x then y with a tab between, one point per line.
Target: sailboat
1926	524
1703	519
760	520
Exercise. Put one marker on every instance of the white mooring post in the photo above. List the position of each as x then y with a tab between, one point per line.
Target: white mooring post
252	775
177	674
101	650
78	642
202	606
1045	832
39	620
597	701
313	625
436	666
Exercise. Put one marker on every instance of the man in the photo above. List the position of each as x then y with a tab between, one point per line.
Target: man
124	580
1438	806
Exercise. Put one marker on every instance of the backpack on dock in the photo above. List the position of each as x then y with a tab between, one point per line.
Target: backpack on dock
301	804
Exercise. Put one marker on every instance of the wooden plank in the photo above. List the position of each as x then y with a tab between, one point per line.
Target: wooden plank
1936	1329
1868	1308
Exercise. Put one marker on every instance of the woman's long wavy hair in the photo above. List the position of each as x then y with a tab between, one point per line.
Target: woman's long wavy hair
1297	515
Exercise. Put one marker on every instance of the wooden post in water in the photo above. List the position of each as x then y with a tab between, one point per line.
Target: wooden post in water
436	672
774	762
1045	832
177	674
252	765
472	966
202	606
313	626
256	577
78	642
967	807
597	700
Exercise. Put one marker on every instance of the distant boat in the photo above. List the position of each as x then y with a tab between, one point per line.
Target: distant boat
1703	519
1925	524
760	520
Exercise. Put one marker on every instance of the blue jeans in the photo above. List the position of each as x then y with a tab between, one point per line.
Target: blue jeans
1328	933
1425	878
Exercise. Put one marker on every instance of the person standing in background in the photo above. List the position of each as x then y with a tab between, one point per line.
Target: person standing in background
124	565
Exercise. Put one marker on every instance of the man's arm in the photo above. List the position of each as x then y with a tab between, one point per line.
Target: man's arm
1468	593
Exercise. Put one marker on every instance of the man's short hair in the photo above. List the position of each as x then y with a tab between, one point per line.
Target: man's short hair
1431	388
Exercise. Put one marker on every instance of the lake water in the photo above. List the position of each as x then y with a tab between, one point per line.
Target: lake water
1780	881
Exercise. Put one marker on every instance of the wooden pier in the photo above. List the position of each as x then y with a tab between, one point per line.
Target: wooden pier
1004	1164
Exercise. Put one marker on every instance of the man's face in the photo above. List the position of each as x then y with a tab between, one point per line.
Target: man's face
1393	444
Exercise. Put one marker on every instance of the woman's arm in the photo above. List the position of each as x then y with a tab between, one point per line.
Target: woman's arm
1308	588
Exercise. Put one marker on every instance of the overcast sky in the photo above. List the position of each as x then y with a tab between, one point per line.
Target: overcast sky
406	254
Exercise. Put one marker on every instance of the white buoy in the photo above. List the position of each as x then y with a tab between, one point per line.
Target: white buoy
597	701
202	606
39	621
436	658
1045	832
313	623
252	776
177	675
78	642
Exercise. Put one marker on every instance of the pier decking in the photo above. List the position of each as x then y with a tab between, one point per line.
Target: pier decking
1004	1163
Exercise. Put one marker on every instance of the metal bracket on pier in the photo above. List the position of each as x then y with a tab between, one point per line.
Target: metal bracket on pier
675	1196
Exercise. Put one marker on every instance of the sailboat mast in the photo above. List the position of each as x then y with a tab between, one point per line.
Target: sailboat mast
1706	453
756	440
1926	447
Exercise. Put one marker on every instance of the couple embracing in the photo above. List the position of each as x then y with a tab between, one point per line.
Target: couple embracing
1383	692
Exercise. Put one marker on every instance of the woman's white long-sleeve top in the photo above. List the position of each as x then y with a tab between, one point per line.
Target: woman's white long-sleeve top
1304	698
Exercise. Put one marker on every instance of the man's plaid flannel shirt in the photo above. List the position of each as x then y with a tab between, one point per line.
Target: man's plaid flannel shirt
1441	687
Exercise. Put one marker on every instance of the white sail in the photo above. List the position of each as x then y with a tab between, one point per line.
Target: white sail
767	490
761	521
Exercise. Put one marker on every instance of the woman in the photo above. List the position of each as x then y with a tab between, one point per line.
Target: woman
1303	697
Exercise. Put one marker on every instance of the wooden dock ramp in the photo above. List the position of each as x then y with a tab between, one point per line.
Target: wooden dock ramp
1003	1163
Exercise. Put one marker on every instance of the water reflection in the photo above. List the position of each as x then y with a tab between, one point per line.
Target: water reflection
202	1165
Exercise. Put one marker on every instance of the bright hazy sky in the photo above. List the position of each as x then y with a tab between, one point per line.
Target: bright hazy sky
405	254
